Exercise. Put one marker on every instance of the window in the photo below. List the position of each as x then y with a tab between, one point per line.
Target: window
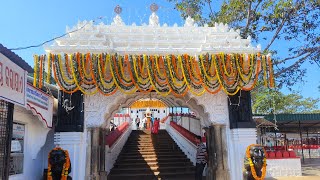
164	111
17	149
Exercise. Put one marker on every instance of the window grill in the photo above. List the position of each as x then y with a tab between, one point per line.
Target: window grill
16	163
6	120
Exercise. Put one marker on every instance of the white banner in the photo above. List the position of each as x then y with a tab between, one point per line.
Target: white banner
13	80
40	104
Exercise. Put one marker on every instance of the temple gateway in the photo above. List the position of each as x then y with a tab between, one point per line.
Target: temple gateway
195	80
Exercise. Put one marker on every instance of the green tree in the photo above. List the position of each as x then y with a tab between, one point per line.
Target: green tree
270	22
266	101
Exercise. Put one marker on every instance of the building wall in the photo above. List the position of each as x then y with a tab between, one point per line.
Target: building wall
35	156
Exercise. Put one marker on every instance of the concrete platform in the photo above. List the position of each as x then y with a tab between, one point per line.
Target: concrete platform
296	178
310	171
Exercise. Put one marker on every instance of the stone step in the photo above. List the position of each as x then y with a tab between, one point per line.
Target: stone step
151	149
138	153
137	170
150	146
134	160
150	156
149	139
153	164
156	150
153	176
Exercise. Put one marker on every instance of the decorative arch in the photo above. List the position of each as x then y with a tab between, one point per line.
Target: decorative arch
212	109
44	122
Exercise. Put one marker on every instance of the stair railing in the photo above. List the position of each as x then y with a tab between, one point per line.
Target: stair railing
113	152
186	145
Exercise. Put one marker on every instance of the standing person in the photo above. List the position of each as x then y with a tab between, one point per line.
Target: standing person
201	158
152	122
144	122
137	122
156	125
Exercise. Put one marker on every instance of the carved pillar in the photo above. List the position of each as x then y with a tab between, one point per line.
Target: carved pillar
217	134
224	150
211	147
95	154
102	145
88	155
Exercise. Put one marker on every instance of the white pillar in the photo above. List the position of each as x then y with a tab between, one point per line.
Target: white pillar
240	139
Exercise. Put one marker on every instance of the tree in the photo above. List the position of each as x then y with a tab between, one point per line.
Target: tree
271	22
266	101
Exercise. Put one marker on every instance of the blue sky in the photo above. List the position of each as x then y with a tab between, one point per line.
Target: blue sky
31	22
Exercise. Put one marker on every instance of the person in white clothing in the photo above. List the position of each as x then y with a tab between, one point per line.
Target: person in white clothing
143	123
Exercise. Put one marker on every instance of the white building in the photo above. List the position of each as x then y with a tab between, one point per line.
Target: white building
33	110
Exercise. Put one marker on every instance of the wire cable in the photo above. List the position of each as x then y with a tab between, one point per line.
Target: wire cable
45	42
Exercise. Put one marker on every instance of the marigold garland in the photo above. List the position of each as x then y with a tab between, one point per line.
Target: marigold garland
253	171
66	165
35	71
177	74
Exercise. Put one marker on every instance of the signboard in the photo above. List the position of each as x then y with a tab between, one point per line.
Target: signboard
15	146
17	131
40	103
13	80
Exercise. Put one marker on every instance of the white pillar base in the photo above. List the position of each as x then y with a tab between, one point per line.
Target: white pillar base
75	143
240	139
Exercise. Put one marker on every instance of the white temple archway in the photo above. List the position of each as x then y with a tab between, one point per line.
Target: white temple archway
99	108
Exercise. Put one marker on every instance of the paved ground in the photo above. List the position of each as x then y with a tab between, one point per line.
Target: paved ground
310	171
311	167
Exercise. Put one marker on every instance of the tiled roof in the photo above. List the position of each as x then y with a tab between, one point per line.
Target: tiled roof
15	58
294	117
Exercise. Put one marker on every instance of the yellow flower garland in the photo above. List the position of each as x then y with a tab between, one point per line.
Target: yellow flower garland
136	72
67	80
171	74
49	71
101	73
223	88
264	67
35	70
204	69
84	66
189	86
122	71
246	79
253	171
78	83
156	89
213	74
133	90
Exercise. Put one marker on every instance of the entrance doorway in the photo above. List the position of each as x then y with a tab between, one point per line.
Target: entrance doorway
216	149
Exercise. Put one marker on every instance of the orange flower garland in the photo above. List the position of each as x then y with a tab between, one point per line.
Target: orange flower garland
175	74
66	165
253	171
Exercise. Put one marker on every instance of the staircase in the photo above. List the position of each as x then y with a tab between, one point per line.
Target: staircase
151	157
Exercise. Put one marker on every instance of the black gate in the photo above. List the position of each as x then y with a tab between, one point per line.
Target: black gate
70	112
6	120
